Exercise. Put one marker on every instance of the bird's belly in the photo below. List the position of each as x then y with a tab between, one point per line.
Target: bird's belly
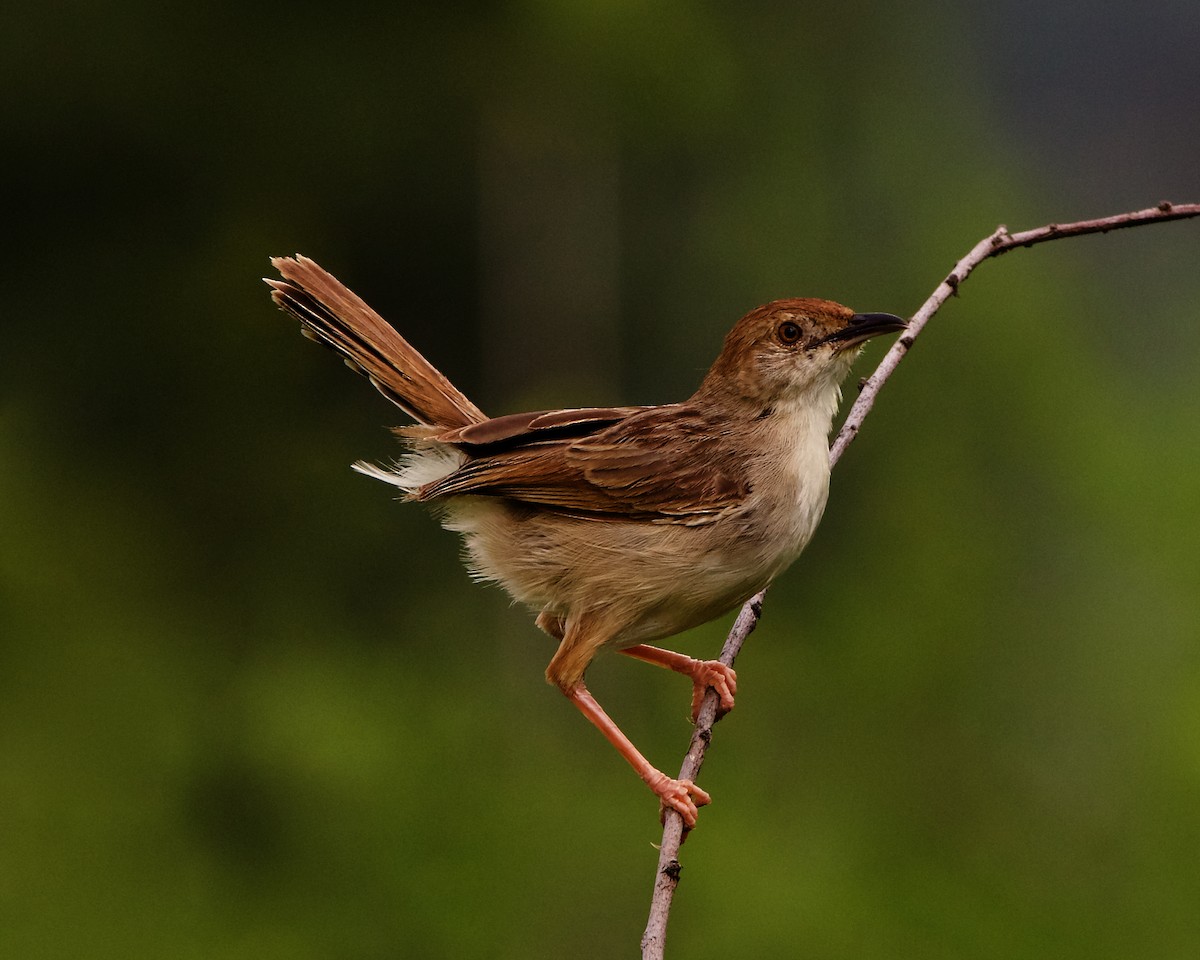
656	579
721	572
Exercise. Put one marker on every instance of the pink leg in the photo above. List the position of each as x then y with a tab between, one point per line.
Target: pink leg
683	796
704	674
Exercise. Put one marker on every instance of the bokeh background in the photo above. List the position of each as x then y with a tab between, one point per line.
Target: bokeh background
252	708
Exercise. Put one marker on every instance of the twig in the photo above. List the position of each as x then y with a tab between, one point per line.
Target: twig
992	246
667	877
1001	241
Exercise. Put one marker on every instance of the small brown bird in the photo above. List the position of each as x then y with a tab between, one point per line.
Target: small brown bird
619	525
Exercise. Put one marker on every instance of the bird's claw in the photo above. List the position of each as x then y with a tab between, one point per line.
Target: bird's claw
682	796
715	674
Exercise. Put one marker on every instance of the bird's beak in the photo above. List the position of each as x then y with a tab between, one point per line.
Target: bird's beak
862	327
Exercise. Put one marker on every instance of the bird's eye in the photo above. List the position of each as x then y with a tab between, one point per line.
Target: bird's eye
789	332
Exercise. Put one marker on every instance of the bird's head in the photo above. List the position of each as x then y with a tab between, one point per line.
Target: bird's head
788	348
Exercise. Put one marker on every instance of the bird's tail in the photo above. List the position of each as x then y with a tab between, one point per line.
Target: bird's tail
330	313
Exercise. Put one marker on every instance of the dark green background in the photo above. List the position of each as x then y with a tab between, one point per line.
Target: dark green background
251	708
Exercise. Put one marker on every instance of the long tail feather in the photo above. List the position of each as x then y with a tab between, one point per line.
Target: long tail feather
330	313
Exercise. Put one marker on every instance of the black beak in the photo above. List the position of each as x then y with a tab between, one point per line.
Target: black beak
864	326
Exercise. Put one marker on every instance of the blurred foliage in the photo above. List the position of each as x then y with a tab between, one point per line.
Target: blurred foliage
250	708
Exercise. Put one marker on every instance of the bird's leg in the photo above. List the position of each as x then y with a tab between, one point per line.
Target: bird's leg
704	674
683	796
566	672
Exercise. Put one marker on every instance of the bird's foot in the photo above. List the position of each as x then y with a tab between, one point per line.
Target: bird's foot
715	674
682	796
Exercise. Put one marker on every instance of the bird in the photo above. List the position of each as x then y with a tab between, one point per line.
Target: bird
619	526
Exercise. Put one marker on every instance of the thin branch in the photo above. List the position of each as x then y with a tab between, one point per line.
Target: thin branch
992	246
667	877
1001	241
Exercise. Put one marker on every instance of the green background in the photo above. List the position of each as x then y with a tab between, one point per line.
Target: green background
252	708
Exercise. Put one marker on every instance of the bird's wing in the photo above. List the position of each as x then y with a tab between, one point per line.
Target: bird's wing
517	429
666	464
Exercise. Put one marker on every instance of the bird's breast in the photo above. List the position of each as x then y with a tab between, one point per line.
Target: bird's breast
789	488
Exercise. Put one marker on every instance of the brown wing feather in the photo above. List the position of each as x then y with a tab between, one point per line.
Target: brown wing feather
660	464
516	429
